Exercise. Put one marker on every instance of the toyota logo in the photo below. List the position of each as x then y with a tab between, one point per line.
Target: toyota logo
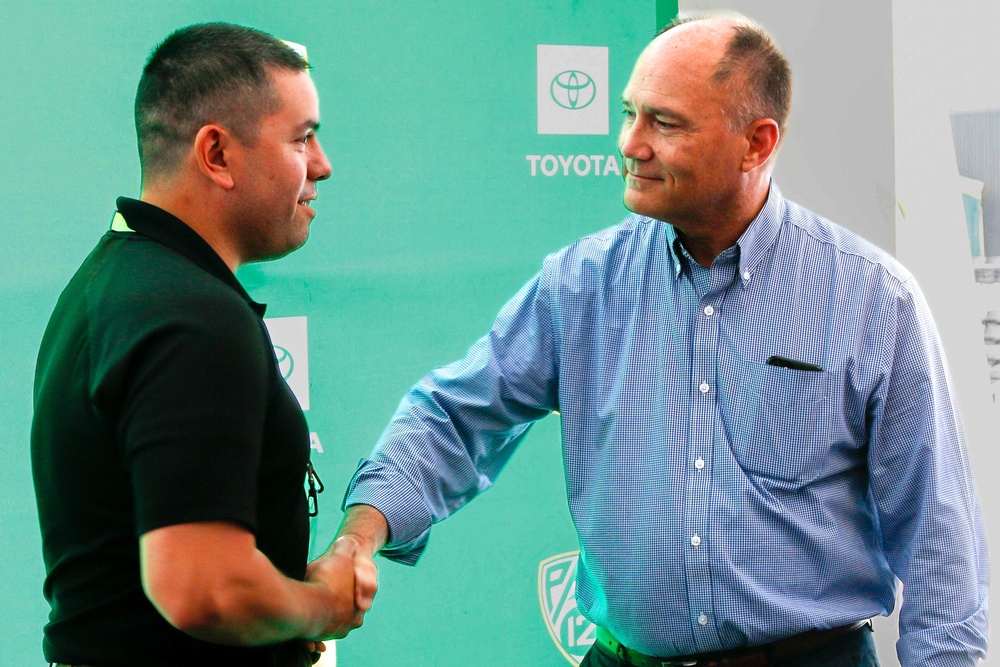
573	89
286	363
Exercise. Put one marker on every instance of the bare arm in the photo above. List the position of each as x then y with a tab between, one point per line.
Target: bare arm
209	580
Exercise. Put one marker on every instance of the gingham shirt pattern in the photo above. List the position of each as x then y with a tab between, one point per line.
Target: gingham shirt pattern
720	501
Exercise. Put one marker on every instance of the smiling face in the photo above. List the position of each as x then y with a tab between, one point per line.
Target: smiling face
276	177
682	162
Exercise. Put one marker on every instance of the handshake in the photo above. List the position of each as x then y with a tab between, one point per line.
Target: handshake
345	576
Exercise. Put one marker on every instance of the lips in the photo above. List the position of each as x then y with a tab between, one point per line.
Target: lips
305	204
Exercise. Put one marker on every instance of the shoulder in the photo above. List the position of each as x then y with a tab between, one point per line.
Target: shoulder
142	286
806	235
610	249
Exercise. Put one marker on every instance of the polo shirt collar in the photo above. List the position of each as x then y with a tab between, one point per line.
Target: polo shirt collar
168	230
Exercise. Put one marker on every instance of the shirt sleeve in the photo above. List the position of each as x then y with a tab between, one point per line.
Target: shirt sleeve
455	430
193	393
921	481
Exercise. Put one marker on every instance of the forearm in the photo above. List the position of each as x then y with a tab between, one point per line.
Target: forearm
366	526
210	581
264	607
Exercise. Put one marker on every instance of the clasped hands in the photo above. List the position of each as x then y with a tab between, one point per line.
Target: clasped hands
347	570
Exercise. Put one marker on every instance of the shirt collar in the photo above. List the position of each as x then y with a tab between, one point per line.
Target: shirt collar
677	252
758	240
754	244
168	230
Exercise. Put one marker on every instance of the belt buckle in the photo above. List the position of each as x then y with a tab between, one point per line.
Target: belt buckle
678	663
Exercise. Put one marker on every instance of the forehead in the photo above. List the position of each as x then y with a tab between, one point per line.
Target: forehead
679	64
297	93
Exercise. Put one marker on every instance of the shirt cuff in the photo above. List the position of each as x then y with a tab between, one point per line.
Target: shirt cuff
393	494
951	645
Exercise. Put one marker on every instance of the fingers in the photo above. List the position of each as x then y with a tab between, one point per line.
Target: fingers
350	576
365	572
365	582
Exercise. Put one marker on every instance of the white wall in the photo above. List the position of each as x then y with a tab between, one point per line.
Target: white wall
945	59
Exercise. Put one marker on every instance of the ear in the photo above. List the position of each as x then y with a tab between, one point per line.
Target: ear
213	152
762	140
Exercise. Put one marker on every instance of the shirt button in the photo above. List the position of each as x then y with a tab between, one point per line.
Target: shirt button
746	275
695	541
702	619
704	387
709	310
699	463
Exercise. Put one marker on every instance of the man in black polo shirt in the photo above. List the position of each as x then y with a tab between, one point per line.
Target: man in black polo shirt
168	453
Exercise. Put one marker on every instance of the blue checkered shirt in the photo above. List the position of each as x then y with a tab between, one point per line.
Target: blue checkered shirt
720	500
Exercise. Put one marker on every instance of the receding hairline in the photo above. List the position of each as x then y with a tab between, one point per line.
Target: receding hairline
760	84
709	17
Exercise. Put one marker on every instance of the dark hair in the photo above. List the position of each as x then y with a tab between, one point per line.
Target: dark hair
201	74
754	67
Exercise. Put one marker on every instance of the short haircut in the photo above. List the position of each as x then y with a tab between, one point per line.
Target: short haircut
206	73
754	67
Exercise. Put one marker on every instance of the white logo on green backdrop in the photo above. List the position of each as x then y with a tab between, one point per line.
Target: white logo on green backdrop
289	336
572	89
571	632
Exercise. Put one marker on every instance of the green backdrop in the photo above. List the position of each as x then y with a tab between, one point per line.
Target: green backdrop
432	219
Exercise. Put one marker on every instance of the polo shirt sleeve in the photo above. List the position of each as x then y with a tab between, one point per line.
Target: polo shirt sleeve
188	373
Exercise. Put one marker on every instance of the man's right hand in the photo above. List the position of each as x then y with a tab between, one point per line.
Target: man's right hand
338	572
367	530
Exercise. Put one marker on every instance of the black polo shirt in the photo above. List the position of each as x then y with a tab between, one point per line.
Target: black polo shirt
157	401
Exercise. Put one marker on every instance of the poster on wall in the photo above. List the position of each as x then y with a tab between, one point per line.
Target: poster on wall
977	151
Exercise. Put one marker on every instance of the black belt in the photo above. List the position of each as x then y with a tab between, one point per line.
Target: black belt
757	656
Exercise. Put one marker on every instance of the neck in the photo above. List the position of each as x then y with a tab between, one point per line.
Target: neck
196	210
709	237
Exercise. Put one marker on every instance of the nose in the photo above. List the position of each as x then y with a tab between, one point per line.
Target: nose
319	166
631	141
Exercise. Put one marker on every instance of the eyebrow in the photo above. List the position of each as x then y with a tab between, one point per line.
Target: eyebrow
309	125
666	113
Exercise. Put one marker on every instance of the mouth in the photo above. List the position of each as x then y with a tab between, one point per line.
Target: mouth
638	180
305	203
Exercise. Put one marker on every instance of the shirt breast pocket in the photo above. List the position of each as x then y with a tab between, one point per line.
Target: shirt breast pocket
779	421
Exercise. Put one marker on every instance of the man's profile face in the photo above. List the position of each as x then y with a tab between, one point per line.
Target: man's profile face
277	173
681	162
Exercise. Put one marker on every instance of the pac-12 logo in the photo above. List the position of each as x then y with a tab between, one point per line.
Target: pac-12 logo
571	632
572	89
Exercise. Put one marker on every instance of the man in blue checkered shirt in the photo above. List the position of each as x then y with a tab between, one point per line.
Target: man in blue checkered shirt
759	433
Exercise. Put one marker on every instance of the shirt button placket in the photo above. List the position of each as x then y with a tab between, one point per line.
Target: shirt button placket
699	482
